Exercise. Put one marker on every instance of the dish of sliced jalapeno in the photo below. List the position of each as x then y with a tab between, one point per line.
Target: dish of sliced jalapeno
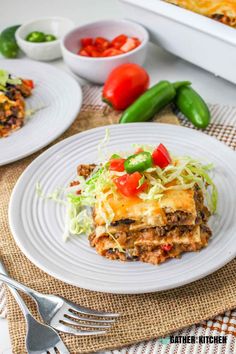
40	37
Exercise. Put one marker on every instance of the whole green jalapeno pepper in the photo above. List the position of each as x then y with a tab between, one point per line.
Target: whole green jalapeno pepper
8	44
151	102
191	104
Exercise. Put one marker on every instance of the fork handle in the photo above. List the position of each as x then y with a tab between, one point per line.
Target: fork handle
14	292
14	284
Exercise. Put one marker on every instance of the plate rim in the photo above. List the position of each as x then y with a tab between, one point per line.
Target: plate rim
101	288
73	114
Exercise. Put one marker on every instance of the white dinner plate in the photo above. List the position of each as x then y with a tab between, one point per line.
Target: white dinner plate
59	96
37	224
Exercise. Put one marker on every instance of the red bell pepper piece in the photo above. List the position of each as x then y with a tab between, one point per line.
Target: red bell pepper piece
166	247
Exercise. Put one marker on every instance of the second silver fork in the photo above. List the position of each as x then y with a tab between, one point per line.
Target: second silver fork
40	338
65	315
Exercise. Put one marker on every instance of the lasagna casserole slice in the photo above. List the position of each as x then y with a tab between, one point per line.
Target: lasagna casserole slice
147	206
12	114
12	102
222	11
149	230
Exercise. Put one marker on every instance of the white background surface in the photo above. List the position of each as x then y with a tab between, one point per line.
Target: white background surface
160	65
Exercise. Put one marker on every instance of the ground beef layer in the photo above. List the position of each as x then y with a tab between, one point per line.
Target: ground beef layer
147	246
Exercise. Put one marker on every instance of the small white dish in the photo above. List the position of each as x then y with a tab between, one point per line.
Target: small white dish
44	51
97	69
38	225
58	111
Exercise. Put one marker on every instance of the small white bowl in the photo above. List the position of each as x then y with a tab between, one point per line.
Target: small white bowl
44	51
97	69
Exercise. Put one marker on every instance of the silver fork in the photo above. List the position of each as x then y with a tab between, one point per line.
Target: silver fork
40	339
65	315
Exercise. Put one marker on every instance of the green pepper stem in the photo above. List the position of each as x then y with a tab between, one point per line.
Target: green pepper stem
179	84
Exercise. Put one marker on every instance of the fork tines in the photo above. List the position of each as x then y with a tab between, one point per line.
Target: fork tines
80	320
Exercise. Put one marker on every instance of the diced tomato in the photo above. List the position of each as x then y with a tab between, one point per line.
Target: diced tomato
96	54
29	83
118	41
117	165
83	53
86	41
161	156
101	43
166	247
92	51
111	52
138	150
128	45
128	184
102	47
137	41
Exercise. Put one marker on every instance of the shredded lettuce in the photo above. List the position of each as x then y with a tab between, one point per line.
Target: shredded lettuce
145	147
56	195
184	173
141	181
31	111
78	221
5	78
102	146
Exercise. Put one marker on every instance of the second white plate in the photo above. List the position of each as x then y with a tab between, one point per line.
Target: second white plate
37	224
60	96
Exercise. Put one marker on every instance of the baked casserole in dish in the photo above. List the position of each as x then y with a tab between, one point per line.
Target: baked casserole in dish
189	35
222	11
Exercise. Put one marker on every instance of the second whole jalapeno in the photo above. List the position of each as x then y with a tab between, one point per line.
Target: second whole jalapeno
191	104
151	102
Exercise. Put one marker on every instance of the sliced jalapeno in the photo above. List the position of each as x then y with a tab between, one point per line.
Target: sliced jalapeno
50	38
36	37
138	162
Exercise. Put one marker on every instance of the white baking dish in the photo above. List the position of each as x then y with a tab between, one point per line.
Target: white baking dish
198	39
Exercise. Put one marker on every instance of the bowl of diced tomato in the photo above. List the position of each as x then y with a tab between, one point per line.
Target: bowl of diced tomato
92	51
